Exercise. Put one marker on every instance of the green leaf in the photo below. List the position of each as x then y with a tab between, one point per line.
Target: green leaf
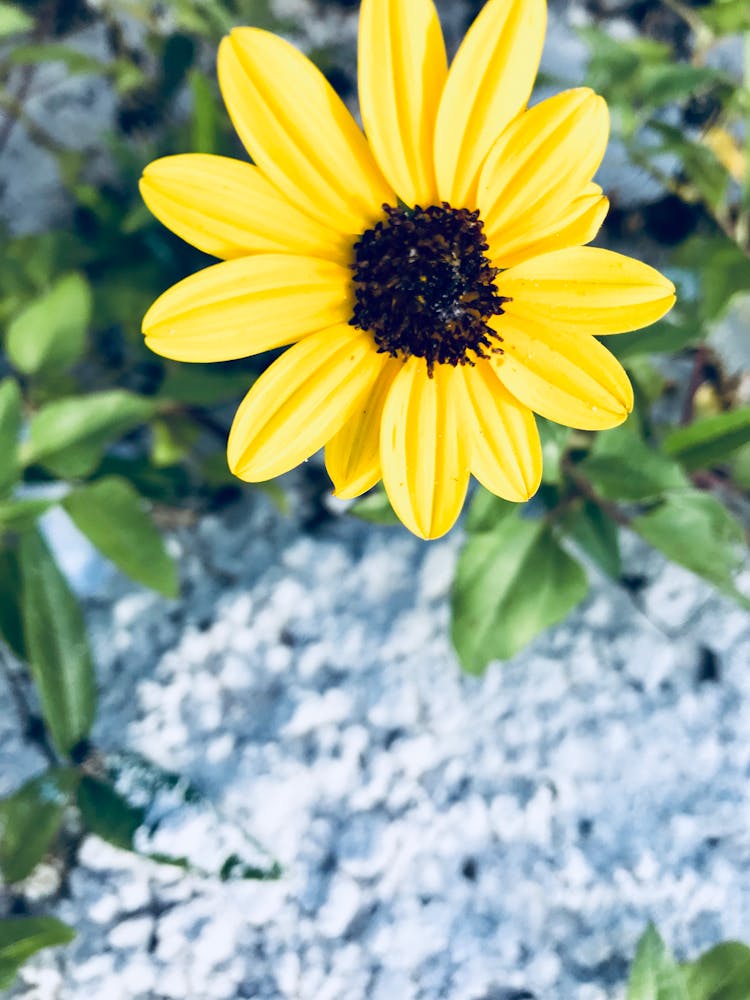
727	17
111	514
695	530
709	441
107	814
723	973
205	121
22	937
57	646
596	534
51	331
621	466
11	625
10	428
655	974
13	21
74	61
374	507
555	440
70	435
30	819
16	515
668	336
487	510
512	582
137	796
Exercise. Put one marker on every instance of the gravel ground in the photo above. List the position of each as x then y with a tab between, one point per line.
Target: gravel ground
441	836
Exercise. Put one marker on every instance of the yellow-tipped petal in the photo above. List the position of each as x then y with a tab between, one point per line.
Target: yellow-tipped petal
542	162
567	377
577	225
299	131
301	401
488	84
587	290
402	69
353	454
227	208
422	453
504	447
245	306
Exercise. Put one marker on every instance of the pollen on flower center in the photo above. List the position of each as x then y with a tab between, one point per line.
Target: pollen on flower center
424	286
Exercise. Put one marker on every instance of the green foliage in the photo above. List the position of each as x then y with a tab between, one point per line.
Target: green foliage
655	974
710	441
111	514
69	436
621	466
22	937
722	973
513	580
10	427
13	20
58	649
50	332
30	820
696	530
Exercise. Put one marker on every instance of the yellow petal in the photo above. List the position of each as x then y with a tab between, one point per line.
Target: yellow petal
423	457
353	454
299	132
567	377
488	84
227	208
576	225
402	69
301	401
504	447
588	290
245	306
542	162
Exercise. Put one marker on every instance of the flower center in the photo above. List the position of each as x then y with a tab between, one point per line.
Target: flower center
424	286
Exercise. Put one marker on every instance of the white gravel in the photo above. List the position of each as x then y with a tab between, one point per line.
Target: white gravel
441	836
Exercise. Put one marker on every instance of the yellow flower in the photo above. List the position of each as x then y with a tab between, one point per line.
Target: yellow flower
431	277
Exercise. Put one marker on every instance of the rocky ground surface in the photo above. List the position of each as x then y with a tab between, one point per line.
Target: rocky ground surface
441	836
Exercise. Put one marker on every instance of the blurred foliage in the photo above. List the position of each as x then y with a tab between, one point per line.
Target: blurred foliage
722	973
93	424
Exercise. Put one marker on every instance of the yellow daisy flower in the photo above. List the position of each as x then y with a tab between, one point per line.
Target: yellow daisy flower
431	277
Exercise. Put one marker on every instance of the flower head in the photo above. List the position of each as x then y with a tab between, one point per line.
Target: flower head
432	278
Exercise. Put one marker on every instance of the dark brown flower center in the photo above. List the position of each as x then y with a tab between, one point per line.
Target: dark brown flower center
424	286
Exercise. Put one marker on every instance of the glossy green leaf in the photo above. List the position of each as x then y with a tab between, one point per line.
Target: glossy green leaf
11	625
723	973
668	336
112	515
22	937
554	438
58	650
711	440
655	975
727	17
16	515
137	796
596	533
487	510
13	21
374	507
107	814
30	819
10	428
512	582
51	331
695	530
621	466
205	120
69	436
